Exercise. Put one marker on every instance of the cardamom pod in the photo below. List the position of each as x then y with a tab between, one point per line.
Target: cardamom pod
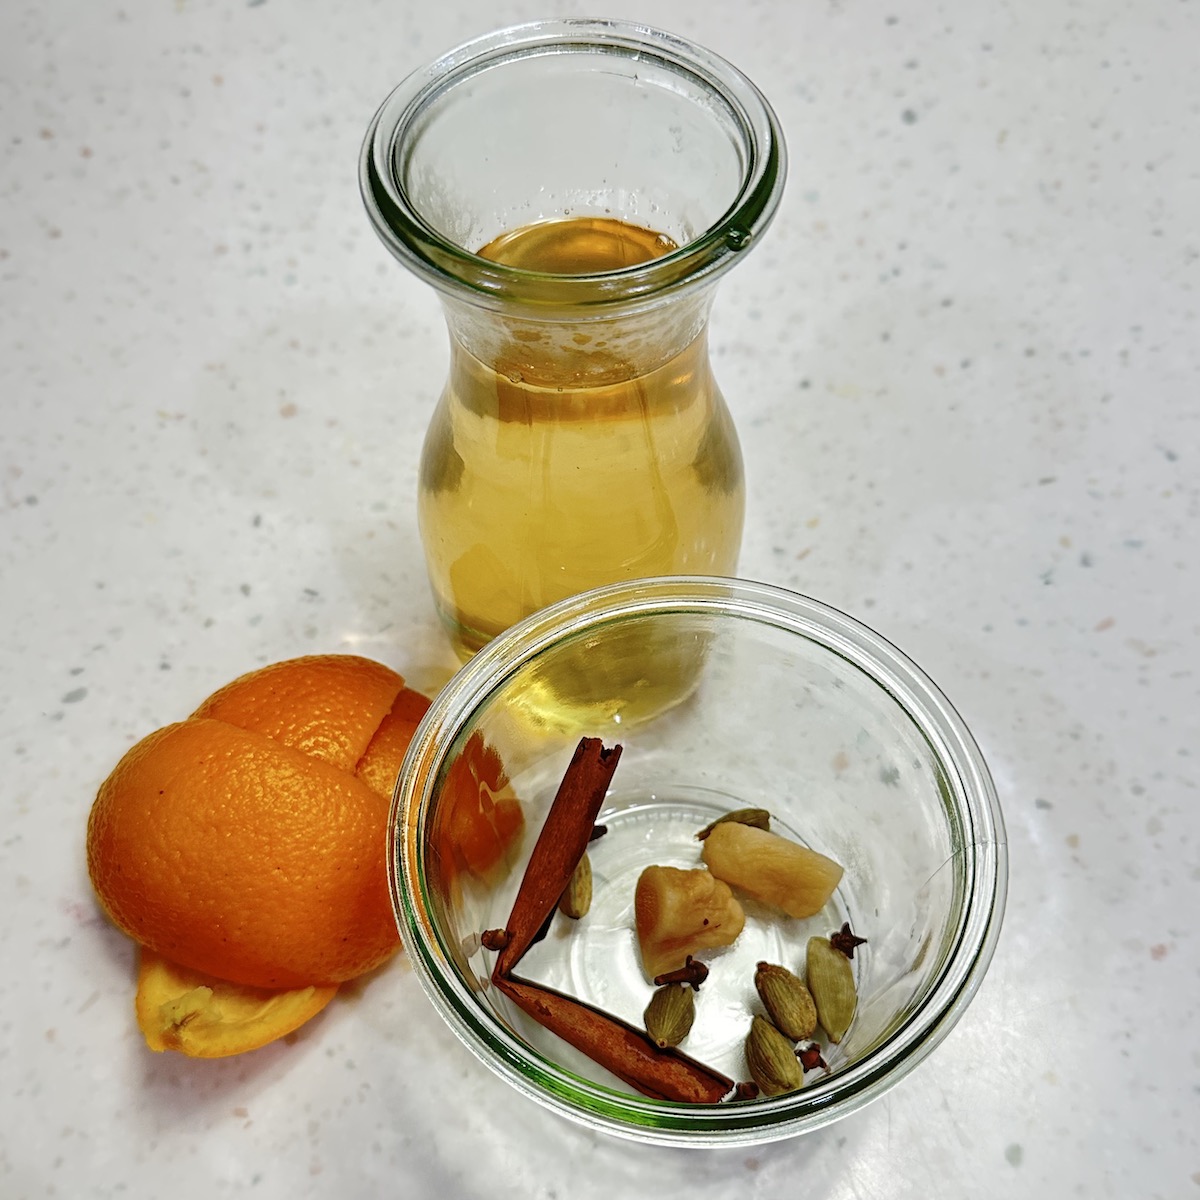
670	1013
772	1059
577	895
760	818
831	984
786	1000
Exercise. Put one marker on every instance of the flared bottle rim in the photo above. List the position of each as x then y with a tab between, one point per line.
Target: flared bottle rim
454	270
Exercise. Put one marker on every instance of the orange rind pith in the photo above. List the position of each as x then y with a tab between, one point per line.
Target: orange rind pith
205	1017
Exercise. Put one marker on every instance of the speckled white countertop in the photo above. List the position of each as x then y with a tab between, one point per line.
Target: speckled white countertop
966	373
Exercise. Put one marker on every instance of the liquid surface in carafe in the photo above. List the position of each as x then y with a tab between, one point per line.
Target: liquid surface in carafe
577	246
535	486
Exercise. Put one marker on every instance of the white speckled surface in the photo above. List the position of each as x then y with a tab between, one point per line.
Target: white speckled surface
966	374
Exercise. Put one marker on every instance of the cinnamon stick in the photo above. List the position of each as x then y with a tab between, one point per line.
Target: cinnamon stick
560	846
661	1073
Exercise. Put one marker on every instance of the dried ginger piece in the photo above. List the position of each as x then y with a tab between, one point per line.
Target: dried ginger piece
679	912
771	868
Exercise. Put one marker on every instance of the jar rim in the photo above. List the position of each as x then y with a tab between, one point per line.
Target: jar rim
453	269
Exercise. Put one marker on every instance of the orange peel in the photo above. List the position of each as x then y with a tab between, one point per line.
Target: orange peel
205	1017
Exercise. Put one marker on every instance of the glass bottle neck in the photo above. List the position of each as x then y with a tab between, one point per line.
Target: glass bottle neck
595	119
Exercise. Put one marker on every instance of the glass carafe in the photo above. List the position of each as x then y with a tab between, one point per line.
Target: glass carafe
573	190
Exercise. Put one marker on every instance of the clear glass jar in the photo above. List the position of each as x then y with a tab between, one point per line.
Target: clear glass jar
794	707
574	190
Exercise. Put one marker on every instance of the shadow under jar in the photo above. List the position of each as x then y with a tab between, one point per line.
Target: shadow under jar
573	190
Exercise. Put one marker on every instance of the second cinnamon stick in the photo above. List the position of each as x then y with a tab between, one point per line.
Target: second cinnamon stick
661	1073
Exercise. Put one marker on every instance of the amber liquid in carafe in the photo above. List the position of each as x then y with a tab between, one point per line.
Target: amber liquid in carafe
537	483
